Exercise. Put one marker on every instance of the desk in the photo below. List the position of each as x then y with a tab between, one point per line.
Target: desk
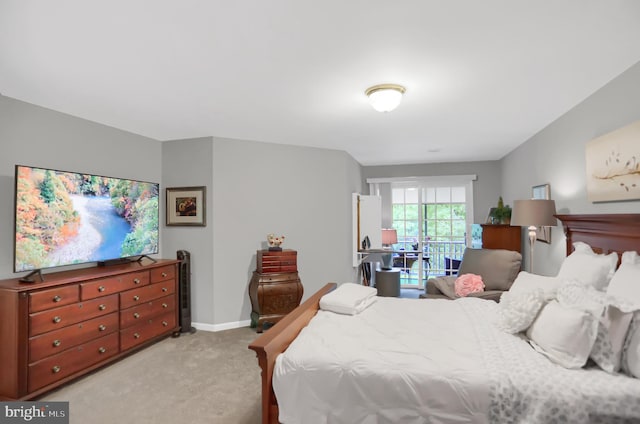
388	282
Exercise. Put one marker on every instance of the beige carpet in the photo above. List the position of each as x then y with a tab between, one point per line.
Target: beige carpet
196	378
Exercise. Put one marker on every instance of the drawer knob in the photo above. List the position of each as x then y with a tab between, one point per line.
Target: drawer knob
164	274
164	305
102	307
56	343
164	289
102	327
55	369
56	319
102	350
136	281
136	335
136	298
136	315
101	289
57	298
165	323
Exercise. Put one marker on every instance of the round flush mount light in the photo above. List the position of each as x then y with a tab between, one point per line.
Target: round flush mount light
385	97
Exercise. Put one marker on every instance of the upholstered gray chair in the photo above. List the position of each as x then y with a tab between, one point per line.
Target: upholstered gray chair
498	269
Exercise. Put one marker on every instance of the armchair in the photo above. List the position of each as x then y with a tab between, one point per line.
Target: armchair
497	267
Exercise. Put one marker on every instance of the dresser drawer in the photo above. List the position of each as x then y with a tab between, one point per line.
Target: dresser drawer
106	286
52	298
163	273
56	341
72	360
279	278
145	294
147	330
140	313
54	319
280	298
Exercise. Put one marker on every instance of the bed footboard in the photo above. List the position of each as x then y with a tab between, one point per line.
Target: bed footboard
275	341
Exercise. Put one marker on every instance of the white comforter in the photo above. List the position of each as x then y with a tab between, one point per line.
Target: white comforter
436	361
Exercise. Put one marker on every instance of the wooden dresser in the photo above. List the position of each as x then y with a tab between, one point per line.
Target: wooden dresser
275	288
75	321
499	236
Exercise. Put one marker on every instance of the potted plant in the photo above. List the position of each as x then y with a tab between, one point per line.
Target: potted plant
501	214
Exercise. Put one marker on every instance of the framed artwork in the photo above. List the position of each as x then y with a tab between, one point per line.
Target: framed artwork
186	206
613	165
542	191
490	216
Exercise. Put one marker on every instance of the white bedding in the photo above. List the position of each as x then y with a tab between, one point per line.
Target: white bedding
436	361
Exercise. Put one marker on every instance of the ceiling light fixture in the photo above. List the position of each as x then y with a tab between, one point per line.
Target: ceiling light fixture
385	97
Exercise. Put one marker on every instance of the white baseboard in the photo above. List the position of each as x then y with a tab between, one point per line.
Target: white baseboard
220	327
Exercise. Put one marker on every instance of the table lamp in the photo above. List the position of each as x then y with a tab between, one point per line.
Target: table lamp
533	213
389	238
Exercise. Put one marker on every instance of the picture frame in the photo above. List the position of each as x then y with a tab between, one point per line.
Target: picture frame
542	191
489	216
186	206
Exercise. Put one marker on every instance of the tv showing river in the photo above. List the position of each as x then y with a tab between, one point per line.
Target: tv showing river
100	235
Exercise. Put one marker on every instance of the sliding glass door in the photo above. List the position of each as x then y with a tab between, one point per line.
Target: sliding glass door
432	221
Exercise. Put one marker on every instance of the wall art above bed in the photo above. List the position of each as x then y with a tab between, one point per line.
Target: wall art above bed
613	165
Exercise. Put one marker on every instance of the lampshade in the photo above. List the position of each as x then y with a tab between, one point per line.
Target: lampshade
534	212
389	236
385	97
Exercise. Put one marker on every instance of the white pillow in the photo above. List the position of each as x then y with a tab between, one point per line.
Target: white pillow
625	284
564	335
612	331
516	311
613	322
588	267
526	281
631	350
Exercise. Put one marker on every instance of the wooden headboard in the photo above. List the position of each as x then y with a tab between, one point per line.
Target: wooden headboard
605	233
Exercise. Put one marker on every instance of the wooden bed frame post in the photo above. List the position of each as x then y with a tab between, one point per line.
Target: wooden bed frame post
275	341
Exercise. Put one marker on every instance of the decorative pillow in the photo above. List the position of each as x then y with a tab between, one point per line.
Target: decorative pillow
565	335
588	267
631	350
574	294
612	331
526	282
516	311
467	284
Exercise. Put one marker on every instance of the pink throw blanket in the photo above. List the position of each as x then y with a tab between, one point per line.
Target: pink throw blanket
467	284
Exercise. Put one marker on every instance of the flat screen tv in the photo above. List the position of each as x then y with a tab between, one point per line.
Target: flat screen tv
65	218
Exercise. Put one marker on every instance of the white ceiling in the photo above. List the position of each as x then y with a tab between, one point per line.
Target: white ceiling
481	76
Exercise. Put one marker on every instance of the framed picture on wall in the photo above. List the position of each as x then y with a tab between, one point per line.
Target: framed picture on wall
186	206
542	191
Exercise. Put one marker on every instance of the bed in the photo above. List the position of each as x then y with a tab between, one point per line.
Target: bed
408	383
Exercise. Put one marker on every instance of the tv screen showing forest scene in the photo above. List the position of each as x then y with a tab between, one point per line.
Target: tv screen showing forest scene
65	218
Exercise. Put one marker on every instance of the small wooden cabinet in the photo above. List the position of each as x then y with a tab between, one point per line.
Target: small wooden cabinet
275	288
499	236
75	321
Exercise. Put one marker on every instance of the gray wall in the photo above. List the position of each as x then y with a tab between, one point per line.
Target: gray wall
254	189
187	163
32	135
299	192
486	189
556	155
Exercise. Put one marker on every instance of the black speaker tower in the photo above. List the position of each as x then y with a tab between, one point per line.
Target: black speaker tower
184	291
